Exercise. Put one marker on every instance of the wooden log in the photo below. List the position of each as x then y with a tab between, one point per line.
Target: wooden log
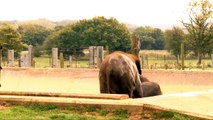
67	95
75	102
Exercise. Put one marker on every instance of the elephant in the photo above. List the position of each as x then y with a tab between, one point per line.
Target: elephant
150	88
119	74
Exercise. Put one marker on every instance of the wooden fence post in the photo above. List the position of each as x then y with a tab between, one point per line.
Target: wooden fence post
54	57
142	61
182	56
147	61
164	59
96	56
212	59
61	60
70	61
30	55
178	59
10	58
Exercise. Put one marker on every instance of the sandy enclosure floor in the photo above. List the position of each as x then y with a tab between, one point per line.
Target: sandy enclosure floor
86	80
49	80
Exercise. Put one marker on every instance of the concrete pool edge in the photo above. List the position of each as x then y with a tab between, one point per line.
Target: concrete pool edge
171	77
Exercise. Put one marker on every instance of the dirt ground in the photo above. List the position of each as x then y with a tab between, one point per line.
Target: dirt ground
86	80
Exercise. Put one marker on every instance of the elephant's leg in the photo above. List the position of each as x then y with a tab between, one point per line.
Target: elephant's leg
103	84
138	92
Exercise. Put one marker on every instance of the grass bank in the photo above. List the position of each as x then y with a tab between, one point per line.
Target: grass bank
52	112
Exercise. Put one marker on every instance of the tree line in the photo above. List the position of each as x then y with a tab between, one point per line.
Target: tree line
197	35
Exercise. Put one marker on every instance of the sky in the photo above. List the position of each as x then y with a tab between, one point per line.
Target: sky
136	12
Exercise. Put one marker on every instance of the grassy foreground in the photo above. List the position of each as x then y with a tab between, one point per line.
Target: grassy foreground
52	112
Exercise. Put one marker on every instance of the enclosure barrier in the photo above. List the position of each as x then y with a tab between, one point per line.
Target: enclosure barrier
96	56
68	95
107	104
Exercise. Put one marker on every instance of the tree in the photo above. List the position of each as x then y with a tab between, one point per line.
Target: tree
173	40
10	38
103	32
98	31
51	41
33	34
210	37
200	20
151	38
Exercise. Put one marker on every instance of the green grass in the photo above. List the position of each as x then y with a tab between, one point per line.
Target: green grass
172	64
157	60
52	112
121	113
152	63
167	115
45	62
32	111
42	62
